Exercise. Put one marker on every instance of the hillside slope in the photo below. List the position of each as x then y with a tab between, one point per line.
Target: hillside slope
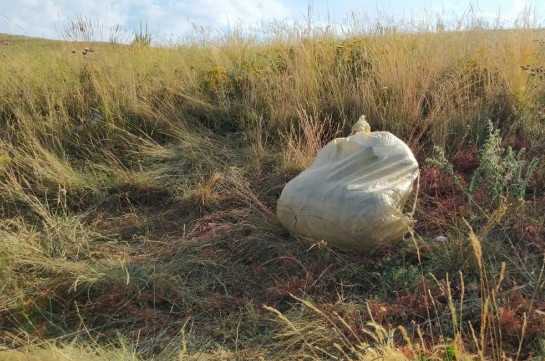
138	188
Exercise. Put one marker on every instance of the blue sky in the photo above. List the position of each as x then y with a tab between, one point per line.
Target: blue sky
176	19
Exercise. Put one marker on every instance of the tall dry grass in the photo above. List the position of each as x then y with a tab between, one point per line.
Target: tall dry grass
138	185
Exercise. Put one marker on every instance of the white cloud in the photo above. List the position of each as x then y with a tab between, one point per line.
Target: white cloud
47	18
525	13
175	18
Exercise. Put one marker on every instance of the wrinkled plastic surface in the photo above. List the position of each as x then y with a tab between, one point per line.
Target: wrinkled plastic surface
352	196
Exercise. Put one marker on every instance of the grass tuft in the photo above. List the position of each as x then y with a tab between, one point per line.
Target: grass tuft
138	189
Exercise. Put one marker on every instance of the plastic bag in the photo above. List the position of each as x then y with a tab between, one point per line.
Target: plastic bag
352	196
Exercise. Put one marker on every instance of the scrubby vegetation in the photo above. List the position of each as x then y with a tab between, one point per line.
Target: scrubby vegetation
138	188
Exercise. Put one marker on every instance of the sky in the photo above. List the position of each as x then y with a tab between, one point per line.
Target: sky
174	20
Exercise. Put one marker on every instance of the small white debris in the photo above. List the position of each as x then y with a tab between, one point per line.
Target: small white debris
441	239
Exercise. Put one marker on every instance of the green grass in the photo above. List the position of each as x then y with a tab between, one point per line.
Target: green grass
138	187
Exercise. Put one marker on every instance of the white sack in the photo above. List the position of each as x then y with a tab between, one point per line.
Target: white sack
353	194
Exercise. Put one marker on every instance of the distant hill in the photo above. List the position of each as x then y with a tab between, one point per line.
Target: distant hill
10	37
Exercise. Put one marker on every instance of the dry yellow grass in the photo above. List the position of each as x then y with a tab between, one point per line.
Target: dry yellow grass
138	184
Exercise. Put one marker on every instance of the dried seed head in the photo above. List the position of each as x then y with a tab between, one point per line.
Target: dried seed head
361	126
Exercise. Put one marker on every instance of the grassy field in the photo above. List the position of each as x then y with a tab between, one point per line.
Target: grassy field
138	188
